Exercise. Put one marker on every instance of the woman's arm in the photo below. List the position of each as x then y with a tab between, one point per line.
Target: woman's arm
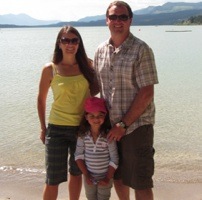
44	86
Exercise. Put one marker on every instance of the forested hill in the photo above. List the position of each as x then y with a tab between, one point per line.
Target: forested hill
197	20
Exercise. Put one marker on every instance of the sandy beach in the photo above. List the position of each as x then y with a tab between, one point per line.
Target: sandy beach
162	191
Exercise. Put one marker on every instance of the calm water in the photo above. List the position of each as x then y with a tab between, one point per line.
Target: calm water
178	97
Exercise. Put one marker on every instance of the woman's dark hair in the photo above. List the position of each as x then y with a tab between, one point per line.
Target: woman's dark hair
83	61
120	3
85	126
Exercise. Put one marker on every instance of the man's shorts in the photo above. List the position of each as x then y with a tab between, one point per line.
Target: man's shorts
136	164
60	143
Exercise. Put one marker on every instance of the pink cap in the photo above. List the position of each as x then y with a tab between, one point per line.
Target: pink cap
95	104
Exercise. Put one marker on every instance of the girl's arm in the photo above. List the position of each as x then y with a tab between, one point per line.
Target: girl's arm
79	158
113	154
82	167
113	163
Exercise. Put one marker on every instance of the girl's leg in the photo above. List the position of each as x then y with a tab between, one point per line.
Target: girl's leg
91	191
104	192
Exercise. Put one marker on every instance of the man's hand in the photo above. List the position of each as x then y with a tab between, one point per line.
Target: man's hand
116	133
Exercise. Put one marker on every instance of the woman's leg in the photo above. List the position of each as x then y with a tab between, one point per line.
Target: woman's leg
75	183
50	192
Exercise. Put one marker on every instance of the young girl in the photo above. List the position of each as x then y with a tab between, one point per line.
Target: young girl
95	156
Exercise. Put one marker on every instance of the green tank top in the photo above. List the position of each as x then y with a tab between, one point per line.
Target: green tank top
69	94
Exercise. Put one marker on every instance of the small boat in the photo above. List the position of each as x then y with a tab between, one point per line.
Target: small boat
178	31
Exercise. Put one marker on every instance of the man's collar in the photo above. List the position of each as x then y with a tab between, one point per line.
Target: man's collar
126	43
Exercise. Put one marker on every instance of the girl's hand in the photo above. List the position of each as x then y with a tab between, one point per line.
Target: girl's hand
104	181
89	180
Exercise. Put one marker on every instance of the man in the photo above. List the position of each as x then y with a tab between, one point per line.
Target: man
126	72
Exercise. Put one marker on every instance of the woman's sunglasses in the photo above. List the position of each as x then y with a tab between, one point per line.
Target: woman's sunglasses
73	41
120	17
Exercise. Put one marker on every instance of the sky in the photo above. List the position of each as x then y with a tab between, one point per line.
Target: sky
70	10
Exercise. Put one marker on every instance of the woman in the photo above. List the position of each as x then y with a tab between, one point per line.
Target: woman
72	80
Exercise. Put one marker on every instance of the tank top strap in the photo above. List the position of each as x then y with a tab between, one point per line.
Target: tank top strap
54	69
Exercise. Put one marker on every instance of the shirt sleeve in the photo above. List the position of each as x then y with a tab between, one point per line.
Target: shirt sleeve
113	153
79	153
146	72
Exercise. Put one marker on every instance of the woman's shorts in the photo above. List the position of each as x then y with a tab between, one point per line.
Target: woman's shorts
60	144
136	163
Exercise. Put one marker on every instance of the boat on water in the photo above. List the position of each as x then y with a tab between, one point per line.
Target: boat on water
178	31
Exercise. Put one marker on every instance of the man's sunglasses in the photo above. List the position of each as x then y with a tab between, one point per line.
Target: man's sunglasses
120	17
73	41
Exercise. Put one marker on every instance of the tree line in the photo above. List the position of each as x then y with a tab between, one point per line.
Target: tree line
194	20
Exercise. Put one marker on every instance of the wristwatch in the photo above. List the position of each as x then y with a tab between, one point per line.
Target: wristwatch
122	124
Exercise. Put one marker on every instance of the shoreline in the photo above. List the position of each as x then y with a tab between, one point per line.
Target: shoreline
162	191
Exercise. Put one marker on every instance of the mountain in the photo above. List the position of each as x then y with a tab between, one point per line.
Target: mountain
193	20
165	18
165	8
169	8
144	20
92	18
23	19
167	14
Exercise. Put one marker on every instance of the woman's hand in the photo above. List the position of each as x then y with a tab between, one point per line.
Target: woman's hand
43	135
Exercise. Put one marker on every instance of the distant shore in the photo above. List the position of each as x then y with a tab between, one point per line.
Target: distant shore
162	191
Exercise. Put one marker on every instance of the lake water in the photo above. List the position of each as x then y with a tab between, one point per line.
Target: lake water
178	98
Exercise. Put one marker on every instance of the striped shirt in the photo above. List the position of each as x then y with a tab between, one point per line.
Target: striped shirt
121	73
98	156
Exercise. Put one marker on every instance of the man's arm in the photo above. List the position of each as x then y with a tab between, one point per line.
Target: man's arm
138	106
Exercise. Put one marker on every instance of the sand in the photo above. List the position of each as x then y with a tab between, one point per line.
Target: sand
162	191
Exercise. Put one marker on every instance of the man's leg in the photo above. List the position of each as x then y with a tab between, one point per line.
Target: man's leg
122	191
145	194
75	183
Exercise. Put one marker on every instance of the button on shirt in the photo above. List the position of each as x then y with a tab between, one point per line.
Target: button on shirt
121	73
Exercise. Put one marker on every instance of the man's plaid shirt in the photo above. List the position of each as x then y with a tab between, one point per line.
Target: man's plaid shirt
121	73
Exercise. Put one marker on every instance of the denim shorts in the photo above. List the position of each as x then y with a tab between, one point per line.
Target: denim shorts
60	144
136	162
